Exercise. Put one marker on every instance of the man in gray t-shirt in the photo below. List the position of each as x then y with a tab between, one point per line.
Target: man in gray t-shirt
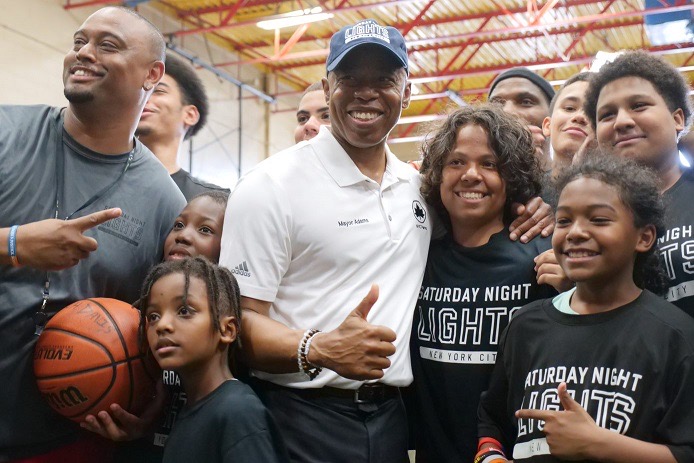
69	179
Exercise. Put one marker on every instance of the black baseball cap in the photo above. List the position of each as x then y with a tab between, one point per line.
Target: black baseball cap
364	33
526	73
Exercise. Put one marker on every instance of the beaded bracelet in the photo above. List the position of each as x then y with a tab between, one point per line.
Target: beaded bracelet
312	371
12	246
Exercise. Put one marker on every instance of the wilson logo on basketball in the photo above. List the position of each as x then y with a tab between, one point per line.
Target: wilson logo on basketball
53	353
66	398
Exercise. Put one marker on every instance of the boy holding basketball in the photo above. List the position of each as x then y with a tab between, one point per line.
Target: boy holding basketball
190	313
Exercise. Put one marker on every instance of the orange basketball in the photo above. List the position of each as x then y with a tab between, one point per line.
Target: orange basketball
88	357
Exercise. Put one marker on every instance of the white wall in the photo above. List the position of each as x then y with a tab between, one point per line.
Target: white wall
36	34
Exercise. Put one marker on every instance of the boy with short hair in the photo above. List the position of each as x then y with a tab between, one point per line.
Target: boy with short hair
312	113
639	107
567	126
523	93
177	110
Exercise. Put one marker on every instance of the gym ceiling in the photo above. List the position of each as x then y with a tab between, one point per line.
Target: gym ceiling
456	47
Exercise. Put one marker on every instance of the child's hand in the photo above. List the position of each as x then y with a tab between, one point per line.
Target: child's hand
124	426
550	273
569	432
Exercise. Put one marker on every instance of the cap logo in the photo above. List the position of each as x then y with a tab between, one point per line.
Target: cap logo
367	29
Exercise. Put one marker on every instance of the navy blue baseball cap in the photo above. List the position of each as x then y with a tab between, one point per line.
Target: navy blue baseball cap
366	32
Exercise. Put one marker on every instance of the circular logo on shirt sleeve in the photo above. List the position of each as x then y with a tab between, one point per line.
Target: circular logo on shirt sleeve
420	213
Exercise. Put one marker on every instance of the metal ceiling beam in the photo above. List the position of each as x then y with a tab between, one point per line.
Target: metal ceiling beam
452	44
432	102
402	26
556	24
548	6
252	22
227	7
536	30
540	64
69	5
417	21
590	28
485	34
229	78
231	13
242	50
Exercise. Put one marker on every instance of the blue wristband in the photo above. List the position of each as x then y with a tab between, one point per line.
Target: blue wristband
12	245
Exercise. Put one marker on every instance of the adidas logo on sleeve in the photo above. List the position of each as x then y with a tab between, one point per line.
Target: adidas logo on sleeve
241	270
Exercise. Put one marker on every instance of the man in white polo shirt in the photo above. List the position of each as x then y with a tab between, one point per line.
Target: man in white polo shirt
310	230
313	230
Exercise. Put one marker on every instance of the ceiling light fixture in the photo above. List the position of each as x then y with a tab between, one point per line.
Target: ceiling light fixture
455	98
294	18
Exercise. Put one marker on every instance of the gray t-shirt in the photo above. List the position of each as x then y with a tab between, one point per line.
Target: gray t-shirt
33	143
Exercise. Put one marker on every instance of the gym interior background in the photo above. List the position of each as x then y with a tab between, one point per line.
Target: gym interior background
456	47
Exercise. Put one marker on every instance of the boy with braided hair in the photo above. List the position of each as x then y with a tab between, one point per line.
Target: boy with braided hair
190	314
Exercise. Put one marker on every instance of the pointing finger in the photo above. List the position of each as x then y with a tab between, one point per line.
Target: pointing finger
97	218
543	415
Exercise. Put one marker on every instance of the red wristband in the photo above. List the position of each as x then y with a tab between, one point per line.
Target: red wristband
488	440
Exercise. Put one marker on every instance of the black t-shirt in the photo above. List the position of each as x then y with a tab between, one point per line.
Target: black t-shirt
191	186
150	449
468	296
631	368
676	245
229	425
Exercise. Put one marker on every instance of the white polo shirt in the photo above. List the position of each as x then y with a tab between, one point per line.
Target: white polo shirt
307	231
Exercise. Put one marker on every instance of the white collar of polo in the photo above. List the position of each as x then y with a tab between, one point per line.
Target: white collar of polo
341	167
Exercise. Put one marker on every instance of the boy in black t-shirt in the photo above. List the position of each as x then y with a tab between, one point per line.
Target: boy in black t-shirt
639	107
190	312
477	164
603	372
197	231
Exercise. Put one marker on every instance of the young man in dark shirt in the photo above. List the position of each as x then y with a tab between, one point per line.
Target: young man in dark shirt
175	112
639	106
